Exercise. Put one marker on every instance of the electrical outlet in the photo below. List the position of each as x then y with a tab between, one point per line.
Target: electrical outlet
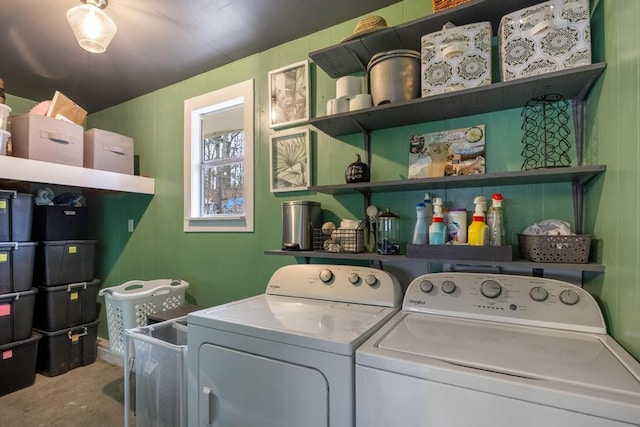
130	226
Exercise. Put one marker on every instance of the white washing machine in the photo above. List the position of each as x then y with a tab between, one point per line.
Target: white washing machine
286	358
495	350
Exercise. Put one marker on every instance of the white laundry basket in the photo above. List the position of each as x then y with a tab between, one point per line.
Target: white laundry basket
129	304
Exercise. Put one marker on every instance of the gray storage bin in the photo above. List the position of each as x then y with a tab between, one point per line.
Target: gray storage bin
59	307
16	216
16	266
16	315
66	349
67	261
158	353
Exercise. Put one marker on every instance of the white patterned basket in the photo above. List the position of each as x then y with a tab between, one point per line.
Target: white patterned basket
456	58
550	36
129	304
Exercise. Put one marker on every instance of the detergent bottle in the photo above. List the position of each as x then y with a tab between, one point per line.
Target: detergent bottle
478	234
437	229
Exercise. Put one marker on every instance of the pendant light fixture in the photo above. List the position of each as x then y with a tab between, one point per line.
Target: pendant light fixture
92	27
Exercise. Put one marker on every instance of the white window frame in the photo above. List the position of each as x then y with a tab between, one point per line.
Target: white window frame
194	221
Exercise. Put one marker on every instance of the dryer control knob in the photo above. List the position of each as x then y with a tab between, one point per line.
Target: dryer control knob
426	286
569	297
448	287
490	289
354	278
371	280
538	293
326	275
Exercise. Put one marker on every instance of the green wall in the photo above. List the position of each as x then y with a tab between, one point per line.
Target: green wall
614	139
227	266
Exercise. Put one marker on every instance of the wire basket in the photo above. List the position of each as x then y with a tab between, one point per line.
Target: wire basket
340	240
129	304
555	248
438	5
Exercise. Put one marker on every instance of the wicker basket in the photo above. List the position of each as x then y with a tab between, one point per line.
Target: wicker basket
555	248
438	5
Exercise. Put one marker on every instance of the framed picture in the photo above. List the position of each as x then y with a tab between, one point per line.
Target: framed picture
289	94
290	161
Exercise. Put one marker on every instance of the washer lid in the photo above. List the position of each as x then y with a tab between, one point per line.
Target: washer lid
519	351
322	325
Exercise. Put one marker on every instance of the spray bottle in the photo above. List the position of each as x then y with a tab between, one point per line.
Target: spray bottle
478	234
420	229
428	211
495	221
437	229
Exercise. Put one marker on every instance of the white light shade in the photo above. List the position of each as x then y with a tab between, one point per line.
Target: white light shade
92	27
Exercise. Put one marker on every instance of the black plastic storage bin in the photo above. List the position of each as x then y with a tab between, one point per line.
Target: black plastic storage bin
60	307
67	349
18	364
16	315
16	216
16	266
60	223
63	262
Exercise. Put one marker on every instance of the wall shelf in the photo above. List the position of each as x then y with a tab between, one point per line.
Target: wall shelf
353	56
26	170
579	175
516	263
573	84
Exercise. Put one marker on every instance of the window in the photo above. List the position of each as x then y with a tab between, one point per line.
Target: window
218	149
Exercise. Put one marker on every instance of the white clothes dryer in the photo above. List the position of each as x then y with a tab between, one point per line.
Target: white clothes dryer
495	350
286	358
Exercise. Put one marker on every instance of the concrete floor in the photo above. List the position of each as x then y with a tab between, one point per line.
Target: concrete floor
91	395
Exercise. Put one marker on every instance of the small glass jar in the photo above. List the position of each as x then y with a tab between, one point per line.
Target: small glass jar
388	233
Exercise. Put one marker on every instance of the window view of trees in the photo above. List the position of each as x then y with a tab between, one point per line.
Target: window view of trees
222	170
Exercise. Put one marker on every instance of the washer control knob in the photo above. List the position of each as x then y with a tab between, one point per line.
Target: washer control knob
538	293
448	287
490	288
569	297
371	279
426	286
326	275
354	278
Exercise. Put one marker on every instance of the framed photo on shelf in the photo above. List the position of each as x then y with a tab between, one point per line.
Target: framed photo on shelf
289	95
290	157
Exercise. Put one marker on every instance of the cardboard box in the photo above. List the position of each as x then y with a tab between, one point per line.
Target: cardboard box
108	151
447	153
47	139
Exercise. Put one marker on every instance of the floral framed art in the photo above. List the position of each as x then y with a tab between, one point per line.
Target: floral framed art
290	160
289	95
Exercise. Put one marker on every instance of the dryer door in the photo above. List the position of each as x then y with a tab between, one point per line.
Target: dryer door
246	390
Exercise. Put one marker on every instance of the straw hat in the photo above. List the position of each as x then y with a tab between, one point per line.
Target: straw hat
367	25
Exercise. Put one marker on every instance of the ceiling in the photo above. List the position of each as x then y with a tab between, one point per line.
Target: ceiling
158	43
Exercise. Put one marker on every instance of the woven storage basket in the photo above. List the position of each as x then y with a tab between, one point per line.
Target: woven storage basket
555	248
438	5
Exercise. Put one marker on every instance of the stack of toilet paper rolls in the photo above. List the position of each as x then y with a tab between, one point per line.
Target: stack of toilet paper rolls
349	96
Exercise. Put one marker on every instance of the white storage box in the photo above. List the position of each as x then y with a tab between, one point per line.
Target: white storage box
550	36
129	304
456	58
108	151
47	139
159	354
